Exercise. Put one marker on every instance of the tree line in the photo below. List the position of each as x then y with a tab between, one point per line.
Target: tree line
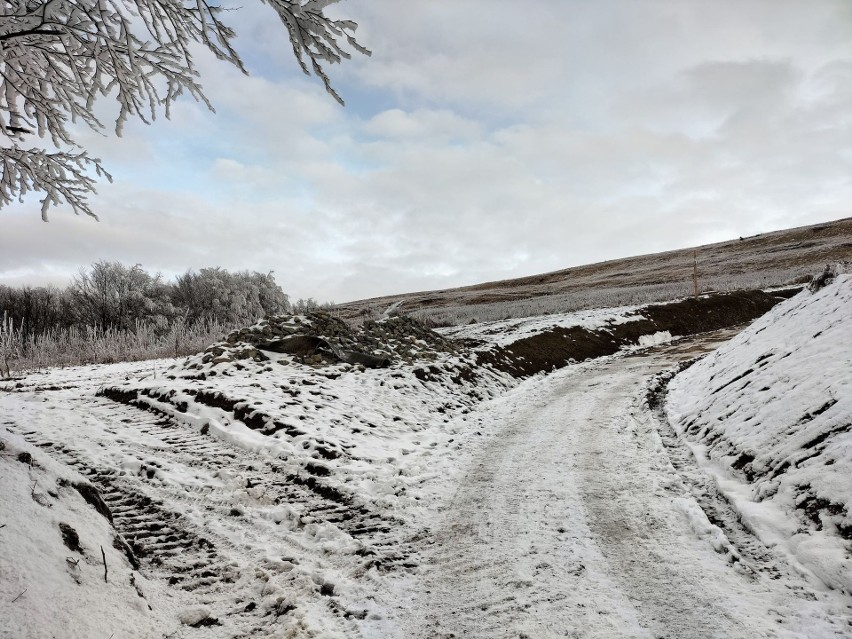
110	296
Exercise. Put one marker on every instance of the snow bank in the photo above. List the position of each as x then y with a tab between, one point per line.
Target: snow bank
655	339
52	578
771	414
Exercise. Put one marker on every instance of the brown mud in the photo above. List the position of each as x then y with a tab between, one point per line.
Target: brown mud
559	346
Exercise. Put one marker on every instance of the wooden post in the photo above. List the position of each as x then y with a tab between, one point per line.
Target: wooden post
695	273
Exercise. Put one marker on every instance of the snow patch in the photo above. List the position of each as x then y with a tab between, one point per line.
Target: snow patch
701	526
194	616
55	544
660	337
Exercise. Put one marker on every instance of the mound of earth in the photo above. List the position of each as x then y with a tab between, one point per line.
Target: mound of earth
560	345
320	339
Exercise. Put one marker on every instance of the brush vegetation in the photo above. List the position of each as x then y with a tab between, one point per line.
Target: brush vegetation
113	312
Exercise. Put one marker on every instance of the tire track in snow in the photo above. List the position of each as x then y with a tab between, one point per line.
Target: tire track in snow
280	483
617	475
513	553
267	480
219	540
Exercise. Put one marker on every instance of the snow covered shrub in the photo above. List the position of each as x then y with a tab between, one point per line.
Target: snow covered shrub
830	273
8	346
823	279
111	312
75	346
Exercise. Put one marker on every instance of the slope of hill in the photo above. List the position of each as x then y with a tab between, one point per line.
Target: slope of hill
769	259
770	413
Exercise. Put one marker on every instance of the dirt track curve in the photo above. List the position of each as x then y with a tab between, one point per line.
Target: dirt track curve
573	522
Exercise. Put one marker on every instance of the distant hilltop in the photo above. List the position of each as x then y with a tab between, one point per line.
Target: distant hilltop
779	258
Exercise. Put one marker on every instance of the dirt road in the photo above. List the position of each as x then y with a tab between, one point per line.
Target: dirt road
573	522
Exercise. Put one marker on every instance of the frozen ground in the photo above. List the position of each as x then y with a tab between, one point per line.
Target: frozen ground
430	499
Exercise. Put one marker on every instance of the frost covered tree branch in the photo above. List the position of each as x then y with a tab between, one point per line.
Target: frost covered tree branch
61	176
58	57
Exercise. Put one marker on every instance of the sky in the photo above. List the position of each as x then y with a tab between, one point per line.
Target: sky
482	140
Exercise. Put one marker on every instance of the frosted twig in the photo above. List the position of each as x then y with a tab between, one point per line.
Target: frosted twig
103	554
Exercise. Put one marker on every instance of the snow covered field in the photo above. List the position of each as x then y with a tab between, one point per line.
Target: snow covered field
264	494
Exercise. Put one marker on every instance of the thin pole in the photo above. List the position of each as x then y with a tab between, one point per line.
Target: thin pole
695	273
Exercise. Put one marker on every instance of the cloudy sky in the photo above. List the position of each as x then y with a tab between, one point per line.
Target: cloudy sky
484	139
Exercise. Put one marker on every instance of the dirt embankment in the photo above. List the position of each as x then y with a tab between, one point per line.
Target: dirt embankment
558	346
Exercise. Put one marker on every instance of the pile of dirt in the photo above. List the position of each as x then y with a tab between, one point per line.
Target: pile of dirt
559	346
319	338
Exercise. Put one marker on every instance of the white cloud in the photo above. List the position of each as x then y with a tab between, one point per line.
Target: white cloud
437	126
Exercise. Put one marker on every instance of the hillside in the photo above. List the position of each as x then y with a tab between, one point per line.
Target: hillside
768	259
772	422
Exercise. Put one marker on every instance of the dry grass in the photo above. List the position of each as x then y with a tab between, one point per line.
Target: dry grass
780	258
74	346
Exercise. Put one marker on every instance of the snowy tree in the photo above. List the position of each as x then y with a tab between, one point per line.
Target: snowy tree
32	311
303	307
214	294
104	295
57	57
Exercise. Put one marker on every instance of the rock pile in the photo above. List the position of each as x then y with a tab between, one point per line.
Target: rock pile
408	339
318	338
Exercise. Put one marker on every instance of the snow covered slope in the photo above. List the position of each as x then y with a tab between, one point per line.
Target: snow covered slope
770	412
56	539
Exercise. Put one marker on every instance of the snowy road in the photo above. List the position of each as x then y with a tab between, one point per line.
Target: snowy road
562	508
572	522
